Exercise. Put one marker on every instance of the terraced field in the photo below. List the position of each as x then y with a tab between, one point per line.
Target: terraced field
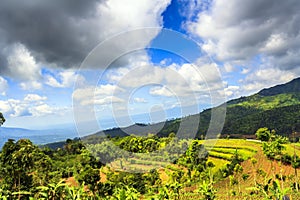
220	153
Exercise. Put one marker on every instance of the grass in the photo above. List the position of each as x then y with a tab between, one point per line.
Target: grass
297	144
244	153
269	102
232	143
219	163
289	149
224	156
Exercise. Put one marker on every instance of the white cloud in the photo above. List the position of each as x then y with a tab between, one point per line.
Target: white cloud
229	67
30	105
102	101
186	82
116	16
21	64
34	97
64	79
4	106
13	107
232	91
237	32
182	80
31	85
276	43
3	86
41	110
161	91
139	100
245	71
100	95
263	78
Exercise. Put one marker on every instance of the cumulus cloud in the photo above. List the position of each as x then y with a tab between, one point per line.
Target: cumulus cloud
40	110
64	79
100	95
237	32
34	97
173	80
31	85
265	77
188	82
30	105
62	33
232	91
3	86
161	91
21	64
139	100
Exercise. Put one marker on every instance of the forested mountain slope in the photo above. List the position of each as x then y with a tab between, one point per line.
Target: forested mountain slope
277	108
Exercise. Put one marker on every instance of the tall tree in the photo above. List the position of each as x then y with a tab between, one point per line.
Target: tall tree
2	119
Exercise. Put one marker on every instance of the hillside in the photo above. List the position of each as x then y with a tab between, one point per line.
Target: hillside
277	107
290	87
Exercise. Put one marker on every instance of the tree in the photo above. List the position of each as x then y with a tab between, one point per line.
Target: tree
263	134
18	161
52	191
238	169
207	190
2	119
89	176
126	193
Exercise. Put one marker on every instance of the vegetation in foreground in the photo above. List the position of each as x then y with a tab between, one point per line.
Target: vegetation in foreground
214	169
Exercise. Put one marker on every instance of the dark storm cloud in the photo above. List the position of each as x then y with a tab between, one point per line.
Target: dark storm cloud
54	31
61	33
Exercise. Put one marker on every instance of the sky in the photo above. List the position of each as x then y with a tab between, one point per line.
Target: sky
122	62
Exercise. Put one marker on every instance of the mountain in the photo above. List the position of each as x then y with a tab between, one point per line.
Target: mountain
36	136
277	108
290	87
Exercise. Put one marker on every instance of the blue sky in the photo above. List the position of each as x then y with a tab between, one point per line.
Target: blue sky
219	50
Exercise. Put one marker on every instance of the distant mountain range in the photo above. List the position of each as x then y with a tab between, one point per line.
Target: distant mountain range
36	136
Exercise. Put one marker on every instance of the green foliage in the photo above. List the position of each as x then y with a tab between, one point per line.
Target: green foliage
2	119
76	193
230	168
51	190
263	134
168	191
272	189
18	162
139	144
125	193
195	157
274	146
72	172
206	188
273	149
89	176
133	180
